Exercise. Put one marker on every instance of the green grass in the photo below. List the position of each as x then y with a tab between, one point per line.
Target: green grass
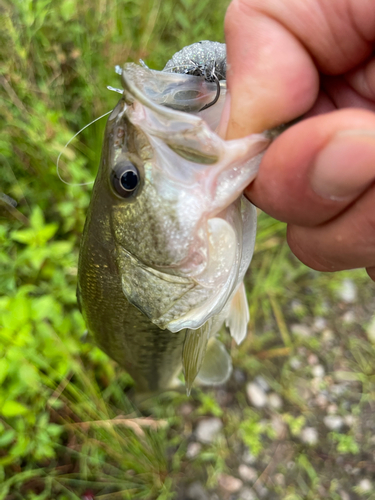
63	403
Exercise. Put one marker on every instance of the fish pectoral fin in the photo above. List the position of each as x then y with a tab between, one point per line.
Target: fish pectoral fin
217	364
238	315
193	353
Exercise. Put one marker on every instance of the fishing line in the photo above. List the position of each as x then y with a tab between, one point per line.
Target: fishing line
67	144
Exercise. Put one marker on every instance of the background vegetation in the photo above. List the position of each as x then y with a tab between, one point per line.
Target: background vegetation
68	429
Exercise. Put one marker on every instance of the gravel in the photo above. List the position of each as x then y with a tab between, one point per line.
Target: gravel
247	474
193	450
274	401
333	422
309	435
196	491
256	395
348	291
229	484
318	371
301	330
208	430
247	494
248	458
365	485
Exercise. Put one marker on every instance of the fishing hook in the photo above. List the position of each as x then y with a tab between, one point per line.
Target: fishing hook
216	98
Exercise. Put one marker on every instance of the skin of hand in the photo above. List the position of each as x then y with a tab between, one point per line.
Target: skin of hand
315	59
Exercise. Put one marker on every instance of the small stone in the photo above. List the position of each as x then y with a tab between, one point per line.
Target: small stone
318	371
185	409
300	330
332	409
229	484
279	426
313	359
328	336
196	491
208	429
193	450
348	291
262	382
321	401
309	435
344	495
337	389
350	420
348	317
256	395
365	485
319	324
275	401
247	474
333	422
248	457
279	479
295	363
247	494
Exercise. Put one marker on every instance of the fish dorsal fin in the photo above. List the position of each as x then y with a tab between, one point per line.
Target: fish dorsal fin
238	315
217	364
193	353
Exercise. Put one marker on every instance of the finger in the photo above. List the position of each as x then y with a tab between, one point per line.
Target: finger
275	48
323	104
371	272
317	168
347	242
362	79
343	95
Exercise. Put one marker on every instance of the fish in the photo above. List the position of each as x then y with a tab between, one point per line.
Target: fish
169	235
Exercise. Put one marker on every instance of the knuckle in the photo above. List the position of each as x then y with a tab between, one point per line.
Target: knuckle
311	254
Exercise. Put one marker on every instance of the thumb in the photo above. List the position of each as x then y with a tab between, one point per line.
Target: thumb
271	78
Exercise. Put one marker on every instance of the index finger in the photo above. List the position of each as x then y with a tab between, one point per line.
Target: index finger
275	50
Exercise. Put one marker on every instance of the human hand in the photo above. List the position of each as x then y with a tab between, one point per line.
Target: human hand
287	58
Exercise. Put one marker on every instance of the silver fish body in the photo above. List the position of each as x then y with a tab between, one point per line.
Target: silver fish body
168	236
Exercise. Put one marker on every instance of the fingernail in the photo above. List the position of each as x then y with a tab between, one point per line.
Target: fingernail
224	119
346	166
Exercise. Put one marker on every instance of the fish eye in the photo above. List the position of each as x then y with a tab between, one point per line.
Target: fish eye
125	179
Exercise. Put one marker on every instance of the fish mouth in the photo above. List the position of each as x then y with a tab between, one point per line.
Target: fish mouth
165	92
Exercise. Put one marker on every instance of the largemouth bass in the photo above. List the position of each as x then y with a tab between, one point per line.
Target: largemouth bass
169	236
